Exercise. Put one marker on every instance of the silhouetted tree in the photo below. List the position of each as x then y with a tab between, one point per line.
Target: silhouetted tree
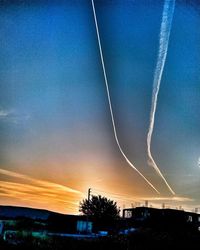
101	210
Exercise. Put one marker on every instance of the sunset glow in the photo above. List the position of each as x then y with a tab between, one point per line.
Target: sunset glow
56	131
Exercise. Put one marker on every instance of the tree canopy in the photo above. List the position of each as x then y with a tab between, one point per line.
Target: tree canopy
99	207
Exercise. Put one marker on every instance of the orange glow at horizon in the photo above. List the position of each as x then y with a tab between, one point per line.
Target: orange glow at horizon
23	190
38	193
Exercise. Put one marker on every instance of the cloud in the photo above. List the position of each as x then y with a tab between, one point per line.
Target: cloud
174	198
30	192
4	113
38	193
13	116
155	200
41	183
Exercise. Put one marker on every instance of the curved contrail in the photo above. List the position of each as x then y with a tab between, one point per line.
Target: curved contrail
110	104
167	17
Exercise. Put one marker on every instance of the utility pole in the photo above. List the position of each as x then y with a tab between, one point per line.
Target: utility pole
89	192
87	225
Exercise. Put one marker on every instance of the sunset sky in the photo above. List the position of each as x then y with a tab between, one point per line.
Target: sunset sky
56	135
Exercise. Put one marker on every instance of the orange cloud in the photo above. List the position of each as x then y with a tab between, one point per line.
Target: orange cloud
40	193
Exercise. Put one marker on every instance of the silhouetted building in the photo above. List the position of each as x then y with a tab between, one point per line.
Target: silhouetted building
170	219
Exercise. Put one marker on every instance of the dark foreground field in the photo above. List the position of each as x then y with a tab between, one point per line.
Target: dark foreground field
145	239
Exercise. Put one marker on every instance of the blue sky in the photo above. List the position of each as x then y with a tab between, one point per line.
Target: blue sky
55	123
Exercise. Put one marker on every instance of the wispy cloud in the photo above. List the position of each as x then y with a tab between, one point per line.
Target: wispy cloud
130	199
13	116
39	193
4	113
173	202
174	198
37	182
30	192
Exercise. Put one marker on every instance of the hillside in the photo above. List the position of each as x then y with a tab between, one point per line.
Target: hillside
12	212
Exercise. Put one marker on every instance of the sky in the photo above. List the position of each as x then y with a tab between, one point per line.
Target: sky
56	134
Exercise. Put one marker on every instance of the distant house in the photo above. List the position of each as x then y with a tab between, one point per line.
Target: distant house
166	218
39	223
84	226
69	224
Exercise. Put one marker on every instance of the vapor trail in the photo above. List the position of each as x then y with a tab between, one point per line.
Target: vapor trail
110	103
167	17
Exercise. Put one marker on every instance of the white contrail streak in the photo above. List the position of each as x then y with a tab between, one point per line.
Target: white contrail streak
110	104
167	17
